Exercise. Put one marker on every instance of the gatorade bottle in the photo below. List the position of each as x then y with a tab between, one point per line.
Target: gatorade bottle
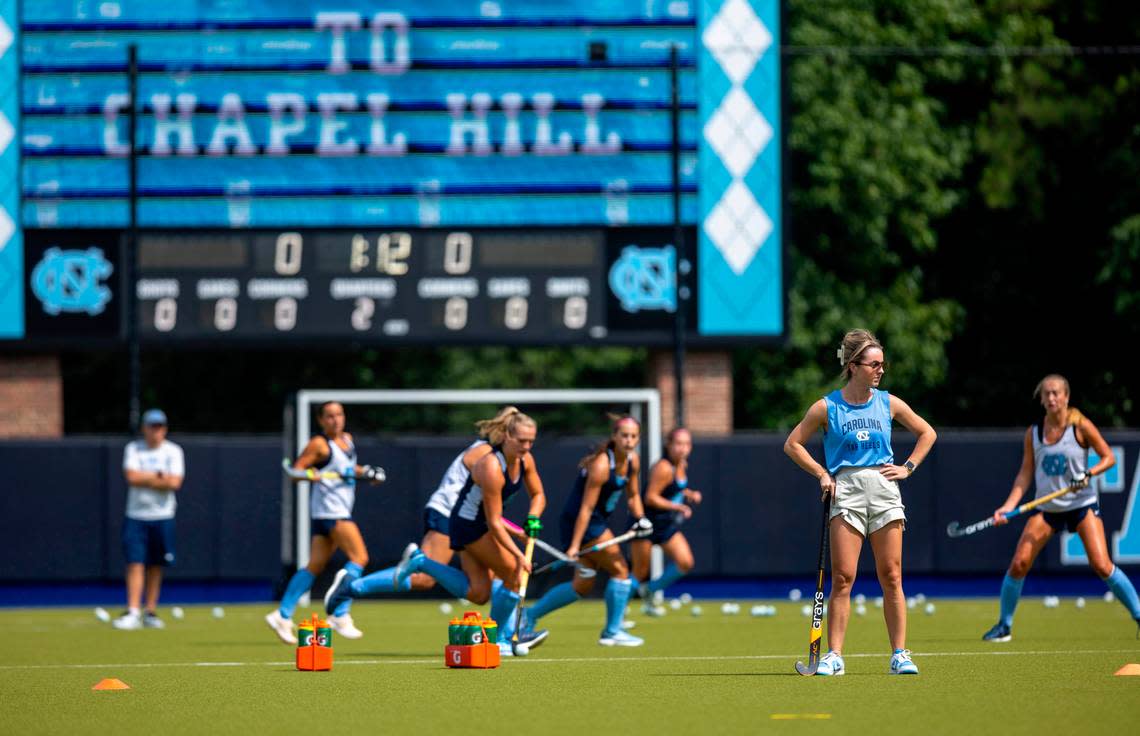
305	634
492	630
453	631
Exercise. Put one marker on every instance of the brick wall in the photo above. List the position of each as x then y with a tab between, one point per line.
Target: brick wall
708	391
31	396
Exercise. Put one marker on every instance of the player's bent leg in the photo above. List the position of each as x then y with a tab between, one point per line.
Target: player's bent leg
1033	538
1091	531
437	547
680	562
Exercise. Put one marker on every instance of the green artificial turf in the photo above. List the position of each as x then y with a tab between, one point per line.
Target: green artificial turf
714	673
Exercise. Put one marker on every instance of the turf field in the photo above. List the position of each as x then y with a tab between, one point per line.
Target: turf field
709	674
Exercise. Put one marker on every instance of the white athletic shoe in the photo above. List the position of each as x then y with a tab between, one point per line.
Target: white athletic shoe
901	663
831	665
649	609
344	626
620	639
152	621
128	622
281	626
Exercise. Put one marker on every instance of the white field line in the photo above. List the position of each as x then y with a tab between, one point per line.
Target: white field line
433	660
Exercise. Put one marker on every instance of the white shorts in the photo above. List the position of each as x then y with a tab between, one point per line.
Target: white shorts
866	500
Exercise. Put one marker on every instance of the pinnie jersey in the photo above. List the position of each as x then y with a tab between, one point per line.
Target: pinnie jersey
673	493
469	503
1054	468
454	478
612	491
857	435
333	498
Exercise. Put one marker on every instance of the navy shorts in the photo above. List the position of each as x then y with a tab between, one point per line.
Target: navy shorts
149	542
1069	519
436	522
595	529
323	527
465	532
664	527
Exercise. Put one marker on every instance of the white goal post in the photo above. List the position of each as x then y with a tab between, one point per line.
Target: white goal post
647	400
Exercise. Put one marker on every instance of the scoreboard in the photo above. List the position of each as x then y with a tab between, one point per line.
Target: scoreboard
484	171
413	285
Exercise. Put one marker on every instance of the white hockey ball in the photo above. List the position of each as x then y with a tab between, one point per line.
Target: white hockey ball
1080	602
686	598
178	613
929	609
794	594
445	607
695	610
218	612
102	615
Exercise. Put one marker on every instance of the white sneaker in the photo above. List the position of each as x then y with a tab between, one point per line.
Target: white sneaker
281	626
128	622
831	665
620	639
152	621
344	626
901	664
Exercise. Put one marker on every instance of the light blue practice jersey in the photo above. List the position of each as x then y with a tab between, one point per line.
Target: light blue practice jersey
333	498
1054	467
857	435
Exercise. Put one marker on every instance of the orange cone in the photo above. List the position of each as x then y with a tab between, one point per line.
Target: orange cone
111	683
1128	669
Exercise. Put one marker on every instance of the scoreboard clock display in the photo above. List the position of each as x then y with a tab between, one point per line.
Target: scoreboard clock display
537	286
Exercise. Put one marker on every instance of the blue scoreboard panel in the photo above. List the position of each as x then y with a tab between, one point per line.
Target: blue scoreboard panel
381	145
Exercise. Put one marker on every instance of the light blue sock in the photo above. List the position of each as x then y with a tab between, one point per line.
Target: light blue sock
617	596
352	574
557	597
503	603
669	575
1010	595
378	582
495	585
298	585
454	581
1122	588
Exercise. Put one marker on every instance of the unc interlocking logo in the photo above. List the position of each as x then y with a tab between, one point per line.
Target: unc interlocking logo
863	435
1054	465
70	281
645	278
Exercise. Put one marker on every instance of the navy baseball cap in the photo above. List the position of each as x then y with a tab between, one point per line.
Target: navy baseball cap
154	417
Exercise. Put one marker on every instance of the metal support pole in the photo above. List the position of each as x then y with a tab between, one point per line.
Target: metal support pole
130	261
682	263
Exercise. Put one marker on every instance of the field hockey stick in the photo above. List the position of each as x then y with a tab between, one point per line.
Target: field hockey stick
816	636
545	547
524	578
955	531
564	561
314	474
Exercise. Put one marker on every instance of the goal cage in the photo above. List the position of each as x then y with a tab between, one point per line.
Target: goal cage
644	404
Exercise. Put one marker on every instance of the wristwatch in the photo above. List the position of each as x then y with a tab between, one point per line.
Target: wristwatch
909	467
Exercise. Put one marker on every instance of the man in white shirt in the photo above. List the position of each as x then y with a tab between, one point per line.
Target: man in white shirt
153	468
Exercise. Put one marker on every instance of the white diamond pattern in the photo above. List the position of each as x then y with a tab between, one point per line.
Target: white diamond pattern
738	226
737	132
736	38
6	37
6	132
7	227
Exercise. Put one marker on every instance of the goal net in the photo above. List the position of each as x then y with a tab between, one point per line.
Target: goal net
644	404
